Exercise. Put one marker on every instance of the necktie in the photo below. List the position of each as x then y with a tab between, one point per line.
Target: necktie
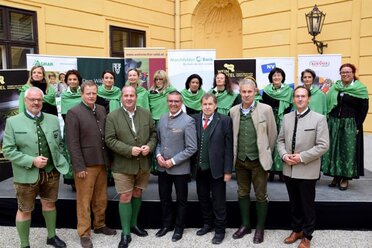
205	123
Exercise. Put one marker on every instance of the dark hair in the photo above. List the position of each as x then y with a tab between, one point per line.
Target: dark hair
302	87
276	69
108	71
87	83
191	77
209	95
227	83
59	76
73	72
308	71
353	68
175	92
52	74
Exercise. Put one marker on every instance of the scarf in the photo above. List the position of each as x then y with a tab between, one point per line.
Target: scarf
358	90
113	95
191	100
142	95
158	102
224	101
284	95
69	100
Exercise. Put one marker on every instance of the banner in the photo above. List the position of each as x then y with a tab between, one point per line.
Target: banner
51	63
236	69
265	65
10	82
92	68
326	67
146	60
183	63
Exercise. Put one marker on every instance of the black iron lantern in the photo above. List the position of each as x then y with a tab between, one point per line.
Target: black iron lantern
314	22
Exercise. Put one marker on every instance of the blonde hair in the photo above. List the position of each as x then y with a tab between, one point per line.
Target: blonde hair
165	78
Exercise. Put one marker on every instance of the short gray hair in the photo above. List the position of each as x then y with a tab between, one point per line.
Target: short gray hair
33	89
247	81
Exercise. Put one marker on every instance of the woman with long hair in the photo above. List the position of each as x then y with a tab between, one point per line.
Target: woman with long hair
37	79
347	102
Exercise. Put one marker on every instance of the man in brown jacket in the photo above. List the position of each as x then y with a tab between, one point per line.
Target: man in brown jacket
131	135
86	144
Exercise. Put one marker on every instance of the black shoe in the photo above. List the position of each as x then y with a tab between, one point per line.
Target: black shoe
163	231
335	182
258	236
138	231
56	242
204	230
177	235
124	241
218	238
241	232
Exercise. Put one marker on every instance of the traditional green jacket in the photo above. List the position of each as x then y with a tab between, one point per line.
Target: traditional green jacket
20	146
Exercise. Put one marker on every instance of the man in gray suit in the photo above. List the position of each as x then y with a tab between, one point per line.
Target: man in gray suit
302	140
176	144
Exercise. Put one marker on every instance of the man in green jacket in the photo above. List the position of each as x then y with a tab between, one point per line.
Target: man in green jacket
32	142
131	135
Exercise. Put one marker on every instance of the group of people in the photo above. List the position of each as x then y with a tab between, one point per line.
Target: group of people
183	133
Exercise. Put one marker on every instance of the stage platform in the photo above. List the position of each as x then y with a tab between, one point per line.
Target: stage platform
350	209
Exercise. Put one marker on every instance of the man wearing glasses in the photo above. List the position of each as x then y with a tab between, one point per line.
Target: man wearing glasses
176	144
32	142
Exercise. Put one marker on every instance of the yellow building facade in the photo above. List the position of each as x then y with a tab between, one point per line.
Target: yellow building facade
236	29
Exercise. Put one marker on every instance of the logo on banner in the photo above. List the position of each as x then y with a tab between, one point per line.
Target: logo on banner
230	67
116	67
41	63
319	63
267	67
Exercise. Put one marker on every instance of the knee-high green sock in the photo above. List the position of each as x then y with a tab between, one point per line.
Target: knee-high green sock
125	212
136	207
50	218
244	205
23	229
261	209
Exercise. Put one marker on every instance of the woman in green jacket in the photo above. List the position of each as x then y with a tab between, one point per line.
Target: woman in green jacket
108	96
37	79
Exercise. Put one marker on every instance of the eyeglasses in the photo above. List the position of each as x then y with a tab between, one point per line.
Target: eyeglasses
34	99
159	79
174	101
345	72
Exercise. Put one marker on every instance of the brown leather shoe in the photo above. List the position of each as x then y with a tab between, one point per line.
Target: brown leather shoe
293	237
258	236
305	243
86	242
241	232
105	230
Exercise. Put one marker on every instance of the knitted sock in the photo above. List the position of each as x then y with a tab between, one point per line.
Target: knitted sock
125	212
136	206
50	222
23	229
261	208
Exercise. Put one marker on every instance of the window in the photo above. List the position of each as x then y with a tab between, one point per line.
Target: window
124	37
18	36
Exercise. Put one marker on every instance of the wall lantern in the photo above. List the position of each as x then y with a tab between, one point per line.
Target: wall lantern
314	22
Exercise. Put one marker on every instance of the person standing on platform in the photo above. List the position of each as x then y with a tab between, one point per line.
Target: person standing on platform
131	135
318	102
222	89
213	166
142	94
176	144
85	126
303	139
279	96
255	133
37	79
347	102
33	144
192	94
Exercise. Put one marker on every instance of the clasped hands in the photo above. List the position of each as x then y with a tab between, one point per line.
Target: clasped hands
164	163
136	151
292	159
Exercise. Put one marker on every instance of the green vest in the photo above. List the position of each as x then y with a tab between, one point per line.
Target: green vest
247	139
203	158
43	143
